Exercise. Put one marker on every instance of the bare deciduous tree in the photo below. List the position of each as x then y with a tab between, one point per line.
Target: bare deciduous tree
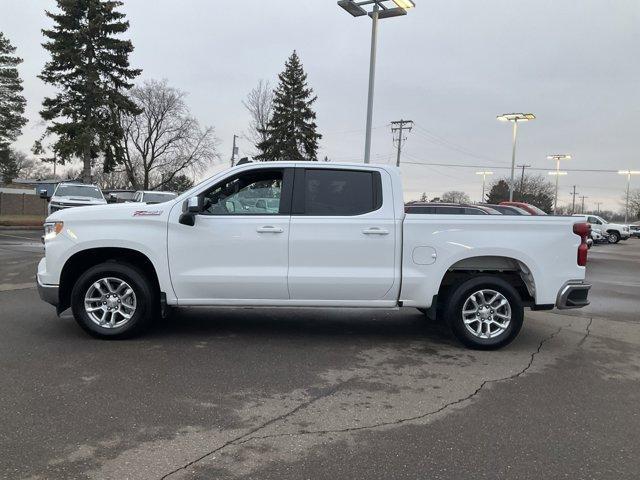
165	140
259	104
455	196
634	203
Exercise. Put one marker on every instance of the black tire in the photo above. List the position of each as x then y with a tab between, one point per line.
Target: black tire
459	295
146	300
613	237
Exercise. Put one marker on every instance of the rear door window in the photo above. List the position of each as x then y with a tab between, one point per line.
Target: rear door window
328	192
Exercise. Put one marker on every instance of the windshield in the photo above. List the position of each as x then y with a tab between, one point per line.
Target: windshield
158	197
78	191
537	210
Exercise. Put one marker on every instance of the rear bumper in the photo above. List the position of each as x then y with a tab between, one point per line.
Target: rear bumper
573	295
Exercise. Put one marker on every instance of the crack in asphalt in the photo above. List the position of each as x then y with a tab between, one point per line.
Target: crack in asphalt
417	417
588	332
249	436
237	441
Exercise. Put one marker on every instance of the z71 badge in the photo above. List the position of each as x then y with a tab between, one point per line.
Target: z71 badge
146	213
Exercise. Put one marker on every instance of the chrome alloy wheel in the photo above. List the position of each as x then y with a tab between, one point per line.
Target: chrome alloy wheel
486	313
110	302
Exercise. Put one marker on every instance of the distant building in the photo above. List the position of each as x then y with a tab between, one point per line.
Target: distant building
38	184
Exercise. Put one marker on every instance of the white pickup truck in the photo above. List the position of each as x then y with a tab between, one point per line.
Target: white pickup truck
306	234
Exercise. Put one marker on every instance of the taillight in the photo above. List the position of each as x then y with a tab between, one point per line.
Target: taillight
583	230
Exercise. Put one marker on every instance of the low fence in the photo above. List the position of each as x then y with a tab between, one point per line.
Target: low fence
22	204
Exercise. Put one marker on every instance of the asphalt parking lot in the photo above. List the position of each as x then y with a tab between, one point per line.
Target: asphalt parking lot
320	394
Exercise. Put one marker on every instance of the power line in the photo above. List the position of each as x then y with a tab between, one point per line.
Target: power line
437	140
537	169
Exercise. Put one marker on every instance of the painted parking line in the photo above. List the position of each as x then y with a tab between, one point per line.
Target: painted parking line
16	236
8	287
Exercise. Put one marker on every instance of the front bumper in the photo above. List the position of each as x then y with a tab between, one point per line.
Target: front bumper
48	293
573	295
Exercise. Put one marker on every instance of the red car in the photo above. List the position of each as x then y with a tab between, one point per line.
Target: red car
532	209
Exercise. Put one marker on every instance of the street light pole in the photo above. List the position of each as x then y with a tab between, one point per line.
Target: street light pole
628	173
372	81
380	10
513	160
514	118
557	158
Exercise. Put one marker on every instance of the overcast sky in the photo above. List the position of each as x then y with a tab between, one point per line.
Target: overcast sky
449	65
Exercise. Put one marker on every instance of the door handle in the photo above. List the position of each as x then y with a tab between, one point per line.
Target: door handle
269	229
375	231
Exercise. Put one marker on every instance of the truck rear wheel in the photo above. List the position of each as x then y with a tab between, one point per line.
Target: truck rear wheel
113	300
484	312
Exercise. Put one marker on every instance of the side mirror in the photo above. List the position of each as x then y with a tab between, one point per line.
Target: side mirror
44	194
112	198
195	204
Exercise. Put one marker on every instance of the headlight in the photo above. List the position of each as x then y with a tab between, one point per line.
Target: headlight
51	229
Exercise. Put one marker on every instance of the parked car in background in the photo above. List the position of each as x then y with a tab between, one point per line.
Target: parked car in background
119	196
527	207
73	194
448	209
340	238
614	231
597	236
634	231
506	209
151	196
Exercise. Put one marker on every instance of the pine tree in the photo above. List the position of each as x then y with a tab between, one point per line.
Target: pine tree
90	66
291	132
12	103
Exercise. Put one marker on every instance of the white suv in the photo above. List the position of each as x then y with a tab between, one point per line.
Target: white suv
613	231
67	195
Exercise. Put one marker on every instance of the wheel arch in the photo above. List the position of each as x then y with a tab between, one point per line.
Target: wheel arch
80	261
513	270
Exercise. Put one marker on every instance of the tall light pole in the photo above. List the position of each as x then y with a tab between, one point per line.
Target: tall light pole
557	173
514	118
381	9
628	173
484	174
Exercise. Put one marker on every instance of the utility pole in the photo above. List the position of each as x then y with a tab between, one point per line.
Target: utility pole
399	126
598	205
573	206
484	174
583	197
234	151
522	180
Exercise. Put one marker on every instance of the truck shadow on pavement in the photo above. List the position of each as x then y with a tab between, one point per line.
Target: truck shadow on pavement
316	323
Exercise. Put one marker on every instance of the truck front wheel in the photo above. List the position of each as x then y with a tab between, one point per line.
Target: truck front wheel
613	237
113	300
484	312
